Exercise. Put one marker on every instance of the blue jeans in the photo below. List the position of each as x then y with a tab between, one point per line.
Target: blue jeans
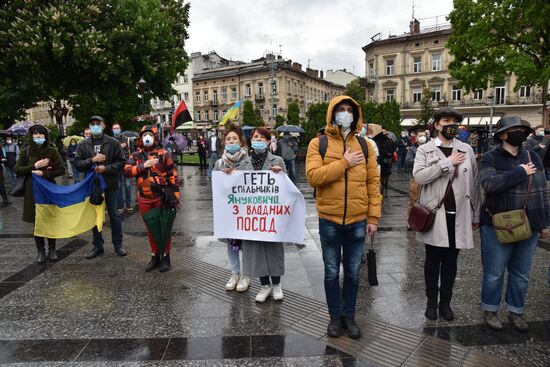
11	175
116	224
212	162
291	169
124	191
76	173
496	258
342	244
234	261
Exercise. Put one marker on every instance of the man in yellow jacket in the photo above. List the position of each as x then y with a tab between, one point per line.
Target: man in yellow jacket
347	187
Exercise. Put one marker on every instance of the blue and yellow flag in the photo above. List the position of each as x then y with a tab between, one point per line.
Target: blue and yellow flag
232	113
65	211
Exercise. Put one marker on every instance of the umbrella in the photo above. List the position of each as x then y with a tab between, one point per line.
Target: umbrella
129	134
67	139
247	128
159	221
5	133
392	136
290	129
371	264
20	128
179	140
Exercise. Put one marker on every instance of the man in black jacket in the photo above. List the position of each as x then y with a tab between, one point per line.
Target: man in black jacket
105	154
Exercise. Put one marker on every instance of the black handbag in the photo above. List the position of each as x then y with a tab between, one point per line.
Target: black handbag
96	198
17	189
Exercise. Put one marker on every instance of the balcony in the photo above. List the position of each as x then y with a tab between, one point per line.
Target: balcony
213	103
260	98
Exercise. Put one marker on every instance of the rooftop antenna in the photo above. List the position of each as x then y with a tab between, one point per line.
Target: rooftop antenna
281	50
412	9
308	61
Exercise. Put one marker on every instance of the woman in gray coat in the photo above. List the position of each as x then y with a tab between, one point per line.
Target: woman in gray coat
265	260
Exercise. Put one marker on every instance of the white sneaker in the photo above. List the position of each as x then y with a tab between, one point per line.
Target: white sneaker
277	292
263	294
244	283
232	283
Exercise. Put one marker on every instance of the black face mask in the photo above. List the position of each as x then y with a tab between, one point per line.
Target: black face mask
515	138
449	131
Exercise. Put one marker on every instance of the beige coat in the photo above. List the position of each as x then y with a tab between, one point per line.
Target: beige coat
429	171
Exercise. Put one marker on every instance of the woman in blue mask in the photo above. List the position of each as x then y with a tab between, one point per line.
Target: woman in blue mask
234	153
43	160
265	260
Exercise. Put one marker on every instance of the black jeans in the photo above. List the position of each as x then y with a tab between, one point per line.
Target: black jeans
274	280
441	263
41	242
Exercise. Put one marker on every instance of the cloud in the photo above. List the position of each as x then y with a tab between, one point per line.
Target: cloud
329	33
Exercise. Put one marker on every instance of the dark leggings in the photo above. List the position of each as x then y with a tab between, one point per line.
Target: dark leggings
274	280
441	262
41	242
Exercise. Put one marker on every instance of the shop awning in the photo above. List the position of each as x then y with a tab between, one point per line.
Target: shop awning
408	122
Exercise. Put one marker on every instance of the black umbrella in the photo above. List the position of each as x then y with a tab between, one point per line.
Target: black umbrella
129	134
371	264
290	129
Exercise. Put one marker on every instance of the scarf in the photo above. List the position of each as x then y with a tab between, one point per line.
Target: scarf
230	160
258	160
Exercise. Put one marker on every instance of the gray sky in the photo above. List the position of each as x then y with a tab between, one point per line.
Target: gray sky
328	32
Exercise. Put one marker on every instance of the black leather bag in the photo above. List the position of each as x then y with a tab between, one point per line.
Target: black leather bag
18	187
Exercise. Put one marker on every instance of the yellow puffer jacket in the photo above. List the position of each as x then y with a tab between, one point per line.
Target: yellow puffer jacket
344	195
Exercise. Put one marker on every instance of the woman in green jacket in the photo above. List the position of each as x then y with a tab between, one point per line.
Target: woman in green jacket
43	160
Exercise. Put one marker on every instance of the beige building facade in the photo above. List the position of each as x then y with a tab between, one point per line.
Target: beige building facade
397	68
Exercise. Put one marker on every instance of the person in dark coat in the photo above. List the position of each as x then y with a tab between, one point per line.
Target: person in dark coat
41	159
3	161
201	149
104	154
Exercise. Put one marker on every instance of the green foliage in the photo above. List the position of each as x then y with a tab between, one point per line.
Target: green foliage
316	119
259	119
279	120
385	114
426	109
249	116
53	134
492	39
293	114
356	90
91	54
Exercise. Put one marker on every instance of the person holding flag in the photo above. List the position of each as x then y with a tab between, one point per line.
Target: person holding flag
158	194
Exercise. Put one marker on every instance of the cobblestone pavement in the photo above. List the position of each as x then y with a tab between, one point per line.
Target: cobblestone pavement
109	312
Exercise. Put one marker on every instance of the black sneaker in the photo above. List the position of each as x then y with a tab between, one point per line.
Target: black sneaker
351	328
164	264
120	251
334	328
431	309
154	263
95	253
445	312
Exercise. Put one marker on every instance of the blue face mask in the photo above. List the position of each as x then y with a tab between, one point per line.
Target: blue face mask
232	148
39	141
259	146
96	129
116	132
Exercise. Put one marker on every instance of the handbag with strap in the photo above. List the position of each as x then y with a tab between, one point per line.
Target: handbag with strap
513	225
17	189
421	218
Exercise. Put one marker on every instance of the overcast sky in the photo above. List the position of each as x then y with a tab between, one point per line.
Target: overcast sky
330	33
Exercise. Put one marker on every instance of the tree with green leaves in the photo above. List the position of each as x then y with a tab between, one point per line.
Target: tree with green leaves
356	90
492	39
316	119
293	114
91	54
249	116
426	109
385	114
259	119
279	121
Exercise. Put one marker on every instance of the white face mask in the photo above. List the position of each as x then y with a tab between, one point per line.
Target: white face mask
344	119
148	140
540	133
421	140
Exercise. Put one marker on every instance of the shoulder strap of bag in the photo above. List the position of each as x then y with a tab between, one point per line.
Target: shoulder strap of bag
448	190
323	146
530	180
364	146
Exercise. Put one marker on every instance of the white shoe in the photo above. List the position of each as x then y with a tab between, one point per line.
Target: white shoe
232	283
263	294
244	283
277	292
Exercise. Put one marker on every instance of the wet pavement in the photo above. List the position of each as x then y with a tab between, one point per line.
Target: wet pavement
109	312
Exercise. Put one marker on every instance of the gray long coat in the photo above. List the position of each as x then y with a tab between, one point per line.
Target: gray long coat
433	171
263	258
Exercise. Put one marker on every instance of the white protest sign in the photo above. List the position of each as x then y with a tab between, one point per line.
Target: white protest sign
258	205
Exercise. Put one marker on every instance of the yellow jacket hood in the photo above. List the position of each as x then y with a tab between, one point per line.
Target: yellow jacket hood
357	124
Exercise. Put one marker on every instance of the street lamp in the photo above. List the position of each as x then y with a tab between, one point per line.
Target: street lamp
59	112
491	112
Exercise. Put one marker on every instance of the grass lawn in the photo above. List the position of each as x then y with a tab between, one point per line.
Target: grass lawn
190	158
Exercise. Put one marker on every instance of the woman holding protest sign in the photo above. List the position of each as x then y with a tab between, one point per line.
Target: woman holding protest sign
235	152
265	260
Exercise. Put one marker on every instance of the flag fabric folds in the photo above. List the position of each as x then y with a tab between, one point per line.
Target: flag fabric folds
232	113
65	211
181	116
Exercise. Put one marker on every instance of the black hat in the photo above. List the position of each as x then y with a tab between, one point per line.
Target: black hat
96	118
508	122
447	112
38	129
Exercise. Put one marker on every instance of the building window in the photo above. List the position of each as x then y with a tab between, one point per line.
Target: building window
215	117
456	93
274	87
233	93
186	97
205	115
389	67
197	116
390	95
524	91
436	93
478	94
261	108
247	90
417	95
223	93
417	64
274	110
197	96
185	79
371	69
261	90
500	95
215	95
205	95
436	62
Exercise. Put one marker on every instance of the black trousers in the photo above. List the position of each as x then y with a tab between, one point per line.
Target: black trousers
2	187
441	263
202	160
41	242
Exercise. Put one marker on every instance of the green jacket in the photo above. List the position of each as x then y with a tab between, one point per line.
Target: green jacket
25	166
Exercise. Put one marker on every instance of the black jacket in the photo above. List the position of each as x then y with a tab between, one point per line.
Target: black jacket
114	162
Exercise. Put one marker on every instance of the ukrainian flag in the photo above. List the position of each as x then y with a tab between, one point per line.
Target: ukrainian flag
65	211
232	113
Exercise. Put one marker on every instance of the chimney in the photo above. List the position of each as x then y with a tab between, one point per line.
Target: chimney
414	26
297	66
322	76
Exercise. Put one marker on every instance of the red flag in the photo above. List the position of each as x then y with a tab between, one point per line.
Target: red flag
181	116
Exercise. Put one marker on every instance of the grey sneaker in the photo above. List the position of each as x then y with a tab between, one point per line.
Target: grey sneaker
492	320
518	321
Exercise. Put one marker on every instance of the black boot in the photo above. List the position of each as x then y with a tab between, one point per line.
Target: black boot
154	263
445	311
334	328
165	263
52	255
431	309
351	327
5	199
40	247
